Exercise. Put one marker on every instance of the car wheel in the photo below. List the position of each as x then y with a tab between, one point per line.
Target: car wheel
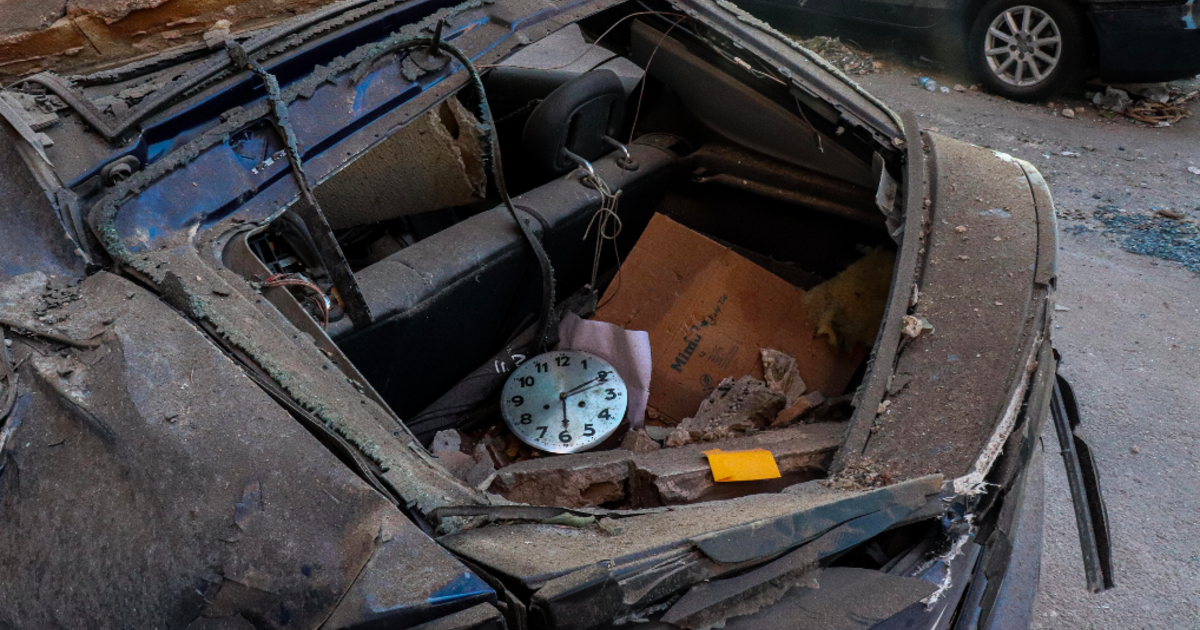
1026	50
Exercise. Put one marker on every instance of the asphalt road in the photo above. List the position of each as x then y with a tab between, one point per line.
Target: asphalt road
1130	339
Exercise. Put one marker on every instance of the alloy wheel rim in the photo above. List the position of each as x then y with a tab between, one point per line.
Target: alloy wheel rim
1023	46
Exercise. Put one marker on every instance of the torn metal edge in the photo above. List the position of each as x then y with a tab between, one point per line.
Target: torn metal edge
972	483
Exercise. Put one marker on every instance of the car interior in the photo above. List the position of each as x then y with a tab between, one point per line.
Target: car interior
681	126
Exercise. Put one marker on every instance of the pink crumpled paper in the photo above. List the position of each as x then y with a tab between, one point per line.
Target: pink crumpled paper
627	350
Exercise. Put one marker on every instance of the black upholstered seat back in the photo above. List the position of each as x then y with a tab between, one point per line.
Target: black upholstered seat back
447	303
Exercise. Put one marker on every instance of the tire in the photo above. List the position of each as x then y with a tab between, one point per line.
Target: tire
1042	55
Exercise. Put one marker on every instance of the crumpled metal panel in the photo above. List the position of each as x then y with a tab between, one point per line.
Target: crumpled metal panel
977	289
31	236
747	529
150	483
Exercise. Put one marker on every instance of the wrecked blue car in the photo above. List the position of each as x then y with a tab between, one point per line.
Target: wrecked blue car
259	302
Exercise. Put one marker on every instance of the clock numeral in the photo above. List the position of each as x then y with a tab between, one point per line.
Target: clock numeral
564	437
603	374
588	431
540	367
604	414
562	361
584	362
526	418
520	400
526	381
542	435
611	394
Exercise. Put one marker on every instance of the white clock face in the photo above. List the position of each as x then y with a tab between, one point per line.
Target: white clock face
564	401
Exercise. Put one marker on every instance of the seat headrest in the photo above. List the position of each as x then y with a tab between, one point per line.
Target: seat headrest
575	117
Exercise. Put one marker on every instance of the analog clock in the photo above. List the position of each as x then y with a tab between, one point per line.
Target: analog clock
564	401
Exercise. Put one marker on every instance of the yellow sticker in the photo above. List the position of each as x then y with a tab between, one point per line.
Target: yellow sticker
748	465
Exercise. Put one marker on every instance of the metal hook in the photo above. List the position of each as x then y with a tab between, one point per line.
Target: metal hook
617	145
582	163
626	162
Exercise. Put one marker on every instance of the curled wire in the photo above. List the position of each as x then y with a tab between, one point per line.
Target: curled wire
297	280
605	219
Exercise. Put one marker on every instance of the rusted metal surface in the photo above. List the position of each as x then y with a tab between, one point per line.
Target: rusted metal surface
977	288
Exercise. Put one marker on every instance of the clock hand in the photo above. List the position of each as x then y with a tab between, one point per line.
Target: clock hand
581	388
563	398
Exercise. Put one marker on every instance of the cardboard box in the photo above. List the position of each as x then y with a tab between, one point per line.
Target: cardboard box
709	311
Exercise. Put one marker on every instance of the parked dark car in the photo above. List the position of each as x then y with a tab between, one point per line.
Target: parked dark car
1028	50
241	292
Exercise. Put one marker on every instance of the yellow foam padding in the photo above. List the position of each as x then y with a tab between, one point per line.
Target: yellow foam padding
749	465
849	307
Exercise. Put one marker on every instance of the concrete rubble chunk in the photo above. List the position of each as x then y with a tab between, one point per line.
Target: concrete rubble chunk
733	407
578	480
639	442
781	374
446	441
678	437
472	463
669	476
472	468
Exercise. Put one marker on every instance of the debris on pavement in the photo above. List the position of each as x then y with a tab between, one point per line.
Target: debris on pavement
1154	112
1068	113
1112	99
1155	104
928	84
1168	239
849	60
